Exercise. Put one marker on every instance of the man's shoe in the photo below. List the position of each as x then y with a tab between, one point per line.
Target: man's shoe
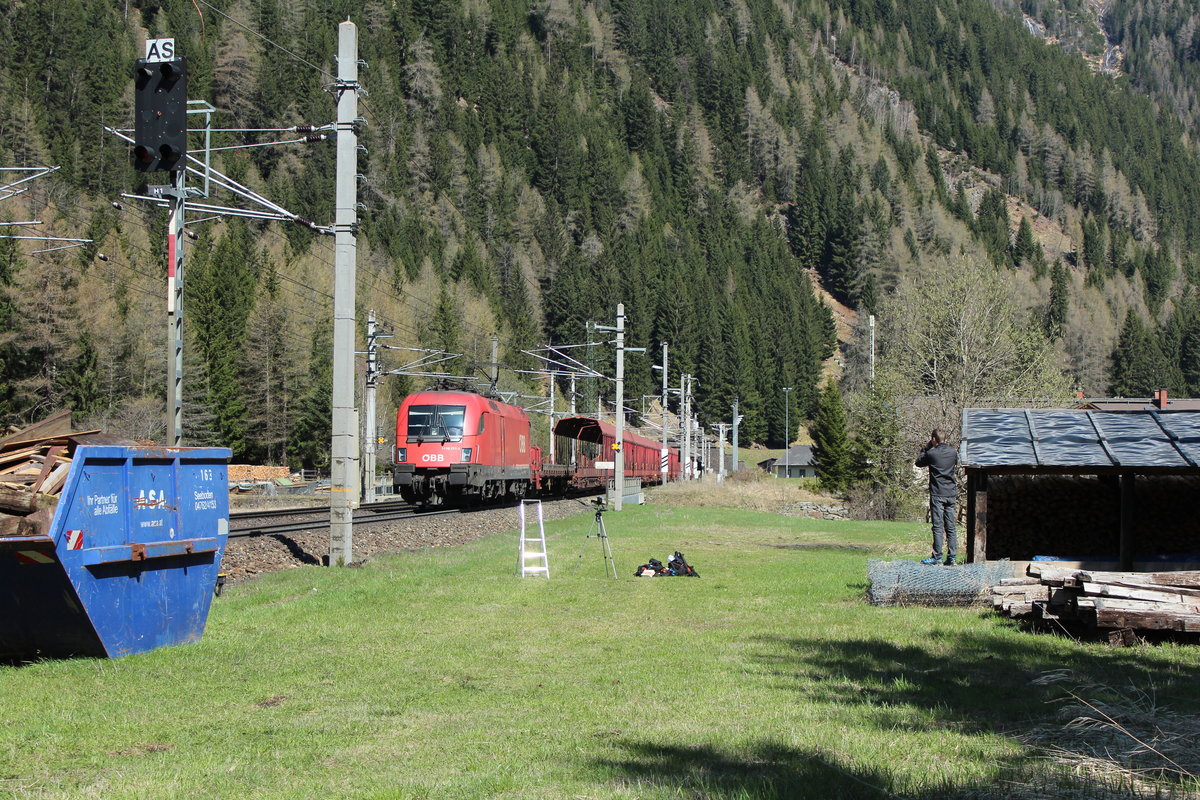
931	561
950	562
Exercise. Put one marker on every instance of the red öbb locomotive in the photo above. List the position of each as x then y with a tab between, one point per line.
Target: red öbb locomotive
460	447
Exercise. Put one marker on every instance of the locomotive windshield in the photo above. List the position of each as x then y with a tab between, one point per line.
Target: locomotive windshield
436	422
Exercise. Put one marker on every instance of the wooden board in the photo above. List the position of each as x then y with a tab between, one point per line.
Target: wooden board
57	424
1147	620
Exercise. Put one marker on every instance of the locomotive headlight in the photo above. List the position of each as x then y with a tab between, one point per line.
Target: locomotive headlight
466	454
401	454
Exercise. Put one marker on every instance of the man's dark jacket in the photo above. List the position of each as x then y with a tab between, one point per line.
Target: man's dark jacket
941	461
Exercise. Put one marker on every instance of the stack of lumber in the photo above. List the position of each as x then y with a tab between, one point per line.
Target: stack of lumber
1119	600
239	473
33	468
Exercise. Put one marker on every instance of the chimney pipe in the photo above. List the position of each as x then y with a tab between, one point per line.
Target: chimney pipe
1160	399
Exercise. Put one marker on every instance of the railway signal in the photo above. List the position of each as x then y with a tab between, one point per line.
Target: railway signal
160	109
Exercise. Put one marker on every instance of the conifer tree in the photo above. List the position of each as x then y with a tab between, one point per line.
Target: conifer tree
310	439
444	330
831	440
882	456
11	368
1056	311
1138	364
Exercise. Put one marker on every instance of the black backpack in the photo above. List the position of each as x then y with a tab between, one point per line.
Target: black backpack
677	565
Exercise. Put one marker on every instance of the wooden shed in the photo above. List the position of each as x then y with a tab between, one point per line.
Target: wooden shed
1085	485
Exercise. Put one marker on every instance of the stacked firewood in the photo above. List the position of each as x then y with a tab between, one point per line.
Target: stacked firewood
1117	600
1079	516
34	463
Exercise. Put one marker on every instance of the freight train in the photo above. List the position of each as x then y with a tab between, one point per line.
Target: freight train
461	448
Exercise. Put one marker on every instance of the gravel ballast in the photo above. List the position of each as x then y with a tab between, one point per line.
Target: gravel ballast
249	556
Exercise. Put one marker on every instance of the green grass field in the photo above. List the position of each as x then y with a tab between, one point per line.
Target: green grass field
439	674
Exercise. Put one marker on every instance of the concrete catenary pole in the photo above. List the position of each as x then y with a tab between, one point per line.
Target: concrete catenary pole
787	431
685	422
495	371
369	431
736	421
721	428
664	456
343	451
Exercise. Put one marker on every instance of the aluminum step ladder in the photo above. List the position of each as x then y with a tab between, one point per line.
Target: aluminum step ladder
532	558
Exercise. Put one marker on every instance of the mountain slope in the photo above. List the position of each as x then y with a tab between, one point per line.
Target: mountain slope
526	171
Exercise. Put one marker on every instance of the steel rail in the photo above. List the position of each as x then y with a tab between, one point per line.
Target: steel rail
381	506
319	524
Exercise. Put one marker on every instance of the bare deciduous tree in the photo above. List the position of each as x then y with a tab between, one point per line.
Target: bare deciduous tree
953	338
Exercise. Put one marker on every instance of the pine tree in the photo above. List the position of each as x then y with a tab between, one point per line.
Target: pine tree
831	440
12	368
309	444
881	453
444	330
1056	311
1138	364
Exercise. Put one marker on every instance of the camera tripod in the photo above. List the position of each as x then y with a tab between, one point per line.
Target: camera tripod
598	531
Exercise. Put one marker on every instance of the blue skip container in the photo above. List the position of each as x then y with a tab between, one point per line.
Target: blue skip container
130	560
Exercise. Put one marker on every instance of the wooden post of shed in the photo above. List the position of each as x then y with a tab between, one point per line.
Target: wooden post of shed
977	486
1128	480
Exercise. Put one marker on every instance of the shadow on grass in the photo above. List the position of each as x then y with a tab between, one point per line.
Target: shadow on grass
975	684
766	772
969	681
775	772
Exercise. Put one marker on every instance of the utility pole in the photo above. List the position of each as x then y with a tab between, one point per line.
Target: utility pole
665	458
736	421
787	431
370	433
342	449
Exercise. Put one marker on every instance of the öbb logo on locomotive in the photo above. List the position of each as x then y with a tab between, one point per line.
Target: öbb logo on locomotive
461	448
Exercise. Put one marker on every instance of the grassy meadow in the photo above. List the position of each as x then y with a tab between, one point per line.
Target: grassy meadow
440	674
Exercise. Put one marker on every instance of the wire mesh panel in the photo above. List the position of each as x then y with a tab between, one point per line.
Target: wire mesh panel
894	583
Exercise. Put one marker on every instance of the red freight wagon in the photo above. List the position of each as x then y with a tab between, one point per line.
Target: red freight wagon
582	441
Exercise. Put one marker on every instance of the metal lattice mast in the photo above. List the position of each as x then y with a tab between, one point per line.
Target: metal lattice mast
175	309
369	433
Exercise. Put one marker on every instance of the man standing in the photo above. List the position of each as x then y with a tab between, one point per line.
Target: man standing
941	459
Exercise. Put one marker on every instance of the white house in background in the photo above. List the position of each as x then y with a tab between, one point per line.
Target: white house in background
797	463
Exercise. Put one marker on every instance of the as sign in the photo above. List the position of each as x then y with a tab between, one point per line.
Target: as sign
158	50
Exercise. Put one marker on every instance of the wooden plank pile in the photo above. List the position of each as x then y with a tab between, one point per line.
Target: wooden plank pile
34	462
1119	600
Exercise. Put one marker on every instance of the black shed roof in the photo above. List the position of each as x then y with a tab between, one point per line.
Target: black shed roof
1080	440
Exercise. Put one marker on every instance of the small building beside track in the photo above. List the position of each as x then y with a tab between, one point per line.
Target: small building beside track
1104	487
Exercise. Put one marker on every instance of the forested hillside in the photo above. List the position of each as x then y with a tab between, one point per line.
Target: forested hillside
528	167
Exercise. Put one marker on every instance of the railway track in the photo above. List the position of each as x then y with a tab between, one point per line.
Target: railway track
244	523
